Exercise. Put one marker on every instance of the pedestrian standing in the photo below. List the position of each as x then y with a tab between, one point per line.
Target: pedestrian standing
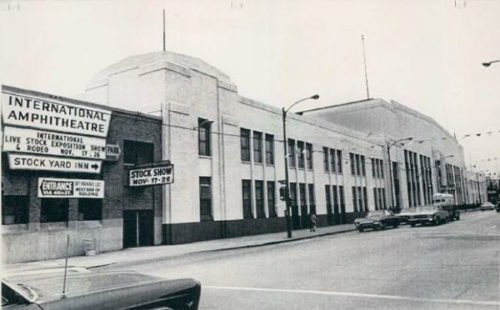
313	222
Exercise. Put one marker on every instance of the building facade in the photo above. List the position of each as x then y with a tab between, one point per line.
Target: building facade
229	157
57	180
229	152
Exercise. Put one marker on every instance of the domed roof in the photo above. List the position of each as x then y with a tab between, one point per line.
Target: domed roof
142	60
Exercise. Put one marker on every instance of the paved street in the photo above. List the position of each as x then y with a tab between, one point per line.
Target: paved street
451	266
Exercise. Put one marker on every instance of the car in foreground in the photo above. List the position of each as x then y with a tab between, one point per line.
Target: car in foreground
99	290
487	206
379	219
428	215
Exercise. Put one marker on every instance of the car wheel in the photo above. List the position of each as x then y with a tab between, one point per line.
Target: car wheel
413	224
382	226
458	217
435	221
396	225
360	229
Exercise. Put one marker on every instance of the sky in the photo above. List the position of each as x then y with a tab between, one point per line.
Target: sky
425	54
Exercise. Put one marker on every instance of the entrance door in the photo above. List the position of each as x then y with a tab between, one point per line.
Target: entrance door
138	228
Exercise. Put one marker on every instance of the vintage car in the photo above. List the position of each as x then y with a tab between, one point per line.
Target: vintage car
486	206
378	219
103	290
428	215
405	214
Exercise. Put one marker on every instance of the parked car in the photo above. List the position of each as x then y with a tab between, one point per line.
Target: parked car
486	206
453	213
404	215
103	290
428	215
379	219
497	207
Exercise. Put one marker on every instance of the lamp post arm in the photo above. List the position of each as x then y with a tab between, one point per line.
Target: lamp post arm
487	64
303	99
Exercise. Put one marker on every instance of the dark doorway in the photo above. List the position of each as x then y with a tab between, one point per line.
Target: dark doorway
138	228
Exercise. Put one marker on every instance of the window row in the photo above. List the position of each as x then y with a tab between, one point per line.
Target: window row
300	154
332	160
15	210
261	147
359	199
379	198
426	174
377	168
412	177
260	203
338	205
357	164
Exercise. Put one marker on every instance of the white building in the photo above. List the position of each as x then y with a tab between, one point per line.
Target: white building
228	152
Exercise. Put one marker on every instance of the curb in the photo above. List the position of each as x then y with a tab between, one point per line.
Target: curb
144	261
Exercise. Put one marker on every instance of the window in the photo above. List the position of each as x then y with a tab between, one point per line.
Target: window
204	130
360	199
351	158
328	200
358	164
312	203
245	144
325	159
381	162
309	154
332	159
354	199
291	153
206	199
136	152
89	209
257	147
247	199
383	198
271	199
269	149
259	199
363	167
339	161
15	209
300	149
365	198
374	167
375	197
54	210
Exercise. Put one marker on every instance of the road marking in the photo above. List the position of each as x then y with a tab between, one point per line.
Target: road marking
393	297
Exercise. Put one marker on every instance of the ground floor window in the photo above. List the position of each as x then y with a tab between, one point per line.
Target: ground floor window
271	200
54	210
15	209
206	199
247	199
89	209
259	199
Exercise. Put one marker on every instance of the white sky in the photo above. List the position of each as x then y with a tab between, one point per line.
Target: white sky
425	54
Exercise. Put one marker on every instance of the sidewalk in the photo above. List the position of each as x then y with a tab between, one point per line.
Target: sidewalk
133	256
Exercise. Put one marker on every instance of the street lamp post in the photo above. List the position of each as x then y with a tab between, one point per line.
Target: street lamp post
487	64
389	145
287	181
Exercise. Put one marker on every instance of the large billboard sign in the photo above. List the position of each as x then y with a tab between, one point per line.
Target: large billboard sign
53	114
47	163
157	174
70	188
51	143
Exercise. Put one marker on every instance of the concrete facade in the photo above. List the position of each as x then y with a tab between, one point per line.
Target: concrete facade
185	90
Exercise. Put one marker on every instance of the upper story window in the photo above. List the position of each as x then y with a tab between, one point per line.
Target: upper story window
136	152
245	144
309	154
300	156
325	159
204	129
339	161
269	149
291	153
257	146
